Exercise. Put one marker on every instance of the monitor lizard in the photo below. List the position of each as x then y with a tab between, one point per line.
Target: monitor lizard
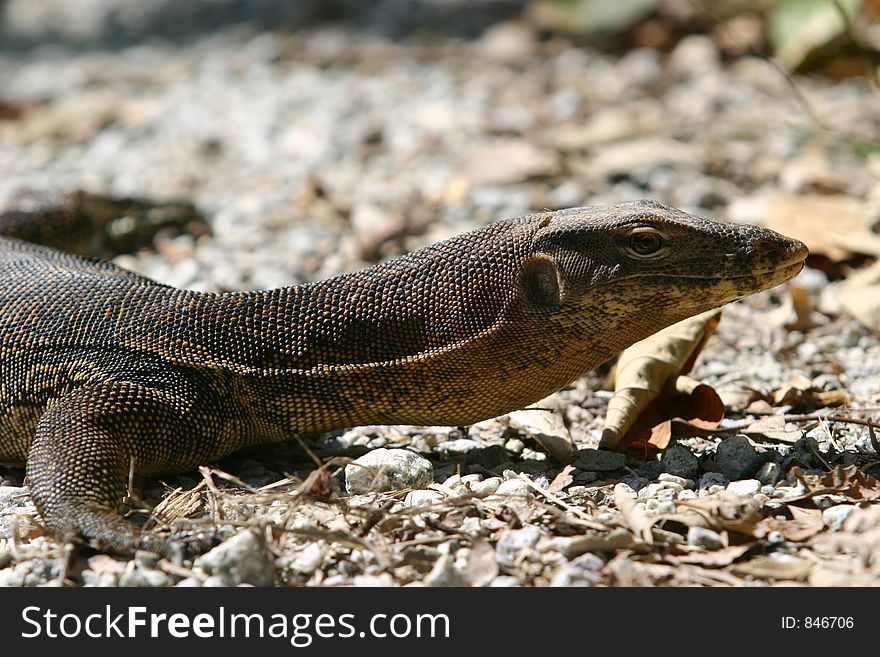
103	370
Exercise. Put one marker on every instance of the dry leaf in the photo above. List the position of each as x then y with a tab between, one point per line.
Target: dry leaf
722	510
561	480
105	564
506	161
799	391
648	368
796	311
804	524
633	515
711	558
547	428
859	296
617	539
835	226
482	567
696	403
772	428
781	567
848	573
848	481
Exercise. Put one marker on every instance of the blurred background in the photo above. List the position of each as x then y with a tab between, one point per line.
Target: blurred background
319	136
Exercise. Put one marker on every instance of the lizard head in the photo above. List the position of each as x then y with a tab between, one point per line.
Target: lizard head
651	262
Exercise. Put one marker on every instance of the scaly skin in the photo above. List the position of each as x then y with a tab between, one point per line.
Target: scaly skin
102	368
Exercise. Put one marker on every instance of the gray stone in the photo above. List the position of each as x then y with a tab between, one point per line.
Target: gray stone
505	581
737	458
307	560
243	558
680	481
835	516
481	489
580	571
744	487
704	538
665	507
189	582
514	542
103	580
710	479
515	445
599	460
388	469
458	447
444	573
679	461
513	487
15	505
144	577
421	497
769	473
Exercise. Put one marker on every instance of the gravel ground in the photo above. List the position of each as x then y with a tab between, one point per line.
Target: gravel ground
327	150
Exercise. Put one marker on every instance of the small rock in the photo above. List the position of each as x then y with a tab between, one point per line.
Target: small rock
513	542
444	573
189	582
599	460
243	558
455	484
660	490
634	481
505	581
382	580
388	469
828	501
104	580
458	447
680	481
146	559
744	487
665	507
710	479
580	571
769	473
493	456
737	458
309	558
481	489
704	538
508	41
803	453
835	516
6	556
679	461
422	497
515	487
144	577
533	455
585	476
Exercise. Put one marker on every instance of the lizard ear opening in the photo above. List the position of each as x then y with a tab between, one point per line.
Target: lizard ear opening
540	284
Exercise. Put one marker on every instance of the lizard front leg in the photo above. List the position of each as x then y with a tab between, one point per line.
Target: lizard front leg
82	453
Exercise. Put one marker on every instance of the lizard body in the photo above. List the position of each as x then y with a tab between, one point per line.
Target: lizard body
101	368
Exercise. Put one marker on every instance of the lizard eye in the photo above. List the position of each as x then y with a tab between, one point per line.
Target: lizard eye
645	242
